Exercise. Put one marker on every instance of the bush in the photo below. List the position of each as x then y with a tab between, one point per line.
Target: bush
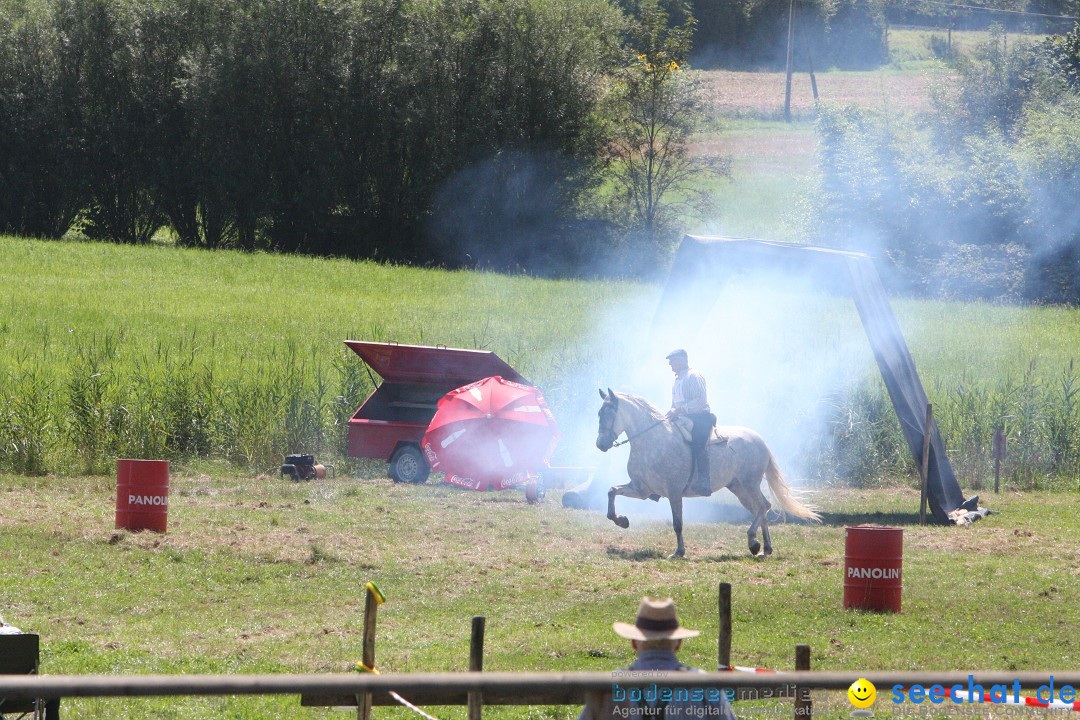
974	201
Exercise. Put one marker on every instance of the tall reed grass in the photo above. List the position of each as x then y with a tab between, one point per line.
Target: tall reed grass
173	403
862	443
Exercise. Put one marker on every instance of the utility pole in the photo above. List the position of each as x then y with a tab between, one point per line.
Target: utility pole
790	44
809	61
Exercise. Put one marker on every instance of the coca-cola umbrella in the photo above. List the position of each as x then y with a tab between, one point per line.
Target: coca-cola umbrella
490	434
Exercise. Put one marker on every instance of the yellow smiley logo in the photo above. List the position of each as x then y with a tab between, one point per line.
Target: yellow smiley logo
862	693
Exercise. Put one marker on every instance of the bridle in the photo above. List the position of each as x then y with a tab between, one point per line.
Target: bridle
609	410
609	431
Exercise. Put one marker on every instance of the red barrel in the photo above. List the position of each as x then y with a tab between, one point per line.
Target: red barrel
873	567
142	494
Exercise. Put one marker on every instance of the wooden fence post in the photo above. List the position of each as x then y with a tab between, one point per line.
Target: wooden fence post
476	664
371	608
999	455
723	639
924	468
804	707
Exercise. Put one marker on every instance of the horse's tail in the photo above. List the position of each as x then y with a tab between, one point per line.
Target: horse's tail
784	494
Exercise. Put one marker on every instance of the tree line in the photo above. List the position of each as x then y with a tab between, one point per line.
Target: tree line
363	128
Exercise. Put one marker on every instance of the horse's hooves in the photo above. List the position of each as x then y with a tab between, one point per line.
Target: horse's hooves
676	555
767	550
755	547
622	521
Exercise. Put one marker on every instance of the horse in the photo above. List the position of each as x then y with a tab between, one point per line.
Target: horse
661	465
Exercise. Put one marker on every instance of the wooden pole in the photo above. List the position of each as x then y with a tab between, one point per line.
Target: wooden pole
476	664
804	707
925	466
809	60
790	45
371	609
999	455
723	638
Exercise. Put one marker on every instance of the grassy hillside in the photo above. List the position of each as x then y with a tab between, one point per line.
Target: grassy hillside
61	296
775	174
155	351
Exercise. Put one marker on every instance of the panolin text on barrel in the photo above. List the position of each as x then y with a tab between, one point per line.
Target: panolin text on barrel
148	500
875	573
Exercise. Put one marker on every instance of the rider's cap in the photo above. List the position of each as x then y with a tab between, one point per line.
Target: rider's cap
677	352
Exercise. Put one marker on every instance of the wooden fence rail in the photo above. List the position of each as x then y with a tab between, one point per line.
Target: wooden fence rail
477	688
498	688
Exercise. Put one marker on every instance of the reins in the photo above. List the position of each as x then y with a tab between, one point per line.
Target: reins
637	434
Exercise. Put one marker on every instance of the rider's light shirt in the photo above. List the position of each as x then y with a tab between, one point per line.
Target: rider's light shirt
688	393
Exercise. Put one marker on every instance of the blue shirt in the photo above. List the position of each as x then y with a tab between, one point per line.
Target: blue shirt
651	702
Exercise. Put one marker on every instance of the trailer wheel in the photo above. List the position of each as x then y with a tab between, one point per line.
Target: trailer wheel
534	491
408	465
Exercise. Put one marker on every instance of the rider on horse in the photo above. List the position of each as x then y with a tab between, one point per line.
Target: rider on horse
688	398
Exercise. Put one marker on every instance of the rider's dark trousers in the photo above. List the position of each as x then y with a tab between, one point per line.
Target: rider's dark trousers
703	425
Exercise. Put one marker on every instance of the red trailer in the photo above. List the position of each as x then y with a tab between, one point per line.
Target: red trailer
391	422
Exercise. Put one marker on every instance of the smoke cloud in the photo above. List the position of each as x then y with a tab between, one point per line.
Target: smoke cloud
774	351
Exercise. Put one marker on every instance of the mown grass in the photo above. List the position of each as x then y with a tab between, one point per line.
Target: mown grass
264	575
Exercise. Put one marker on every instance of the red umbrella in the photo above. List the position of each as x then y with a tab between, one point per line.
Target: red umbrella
490	434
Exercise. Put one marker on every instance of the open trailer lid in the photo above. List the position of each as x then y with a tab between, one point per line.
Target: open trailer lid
431	365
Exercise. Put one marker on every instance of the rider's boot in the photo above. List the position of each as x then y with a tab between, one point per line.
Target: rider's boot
702	484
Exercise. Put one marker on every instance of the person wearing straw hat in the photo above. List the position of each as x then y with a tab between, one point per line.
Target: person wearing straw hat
656	637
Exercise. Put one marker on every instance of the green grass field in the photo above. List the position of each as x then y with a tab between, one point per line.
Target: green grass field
60	296
911	45
240	308
260	575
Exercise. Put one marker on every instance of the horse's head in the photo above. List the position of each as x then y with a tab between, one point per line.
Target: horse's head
605	437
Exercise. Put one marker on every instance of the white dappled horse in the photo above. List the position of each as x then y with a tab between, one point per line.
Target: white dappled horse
660	465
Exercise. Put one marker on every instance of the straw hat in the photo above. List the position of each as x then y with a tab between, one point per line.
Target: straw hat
655	620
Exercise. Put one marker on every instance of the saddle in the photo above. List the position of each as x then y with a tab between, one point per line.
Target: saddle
685	425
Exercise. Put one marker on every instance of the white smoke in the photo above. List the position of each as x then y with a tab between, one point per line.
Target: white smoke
773	352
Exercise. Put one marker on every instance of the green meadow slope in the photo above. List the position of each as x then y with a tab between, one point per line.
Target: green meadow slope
144	327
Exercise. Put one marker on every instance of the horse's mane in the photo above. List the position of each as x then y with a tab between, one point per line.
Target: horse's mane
642	404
